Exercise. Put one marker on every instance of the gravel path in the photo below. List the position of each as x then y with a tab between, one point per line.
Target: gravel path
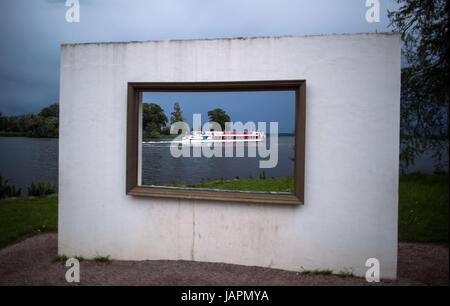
28	262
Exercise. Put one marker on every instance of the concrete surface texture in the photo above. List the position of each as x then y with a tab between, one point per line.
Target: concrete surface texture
352	149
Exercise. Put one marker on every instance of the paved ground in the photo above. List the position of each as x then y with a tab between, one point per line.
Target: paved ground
28	262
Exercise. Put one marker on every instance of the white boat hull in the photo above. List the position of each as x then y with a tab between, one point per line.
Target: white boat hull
219	140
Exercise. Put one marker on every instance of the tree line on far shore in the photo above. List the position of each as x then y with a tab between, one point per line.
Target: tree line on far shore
44	125
155	122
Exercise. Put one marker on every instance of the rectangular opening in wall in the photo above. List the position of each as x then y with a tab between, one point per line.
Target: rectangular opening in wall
236	141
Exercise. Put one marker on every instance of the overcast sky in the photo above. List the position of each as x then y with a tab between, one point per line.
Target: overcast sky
31	32
243	106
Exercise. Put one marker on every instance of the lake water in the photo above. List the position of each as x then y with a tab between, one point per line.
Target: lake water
159	166
25	160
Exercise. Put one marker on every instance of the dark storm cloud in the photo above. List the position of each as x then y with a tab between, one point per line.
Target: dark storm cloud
31	32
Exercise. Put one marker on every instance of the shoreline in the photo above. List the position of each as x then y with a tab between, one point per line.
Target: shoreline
22	134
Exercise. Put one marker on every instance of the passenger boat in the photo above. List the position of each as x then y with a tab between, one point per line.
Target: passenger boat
213	136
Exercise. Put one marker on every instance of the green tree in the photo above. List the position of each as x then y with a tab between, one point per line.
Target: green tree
51	127
43	127
153	119
166	130
45	124
177	114
425	79
7	190
50	111
36	127
12	124
220	116
24	122
3	122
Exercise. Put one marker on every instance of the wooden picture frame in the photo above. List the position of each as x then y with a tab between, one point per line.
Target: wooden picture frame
132	163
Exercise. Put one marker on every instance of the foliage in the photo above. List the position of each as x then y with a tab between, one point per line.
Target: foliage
45	124
317	272
152	134
2	122
425	91
177	114
285	184
43	127
7	190
63	258
20	123
153	120
220	116
41	189
60	258
23	217
346	273
102	259
50	111
166	130
424	207
262	176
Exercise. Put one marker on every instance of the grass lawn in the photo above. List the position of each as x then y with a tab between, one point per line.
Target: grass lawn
285	184
423	207
24	217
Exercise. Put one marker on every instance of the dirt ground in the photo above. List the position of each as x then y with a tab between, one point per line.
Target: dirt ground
28	262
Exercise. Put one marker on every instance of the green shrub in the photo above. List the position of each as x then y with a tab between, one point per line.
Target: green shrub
346	273
60	258
7	190
317	272
101	259
41	189
262	176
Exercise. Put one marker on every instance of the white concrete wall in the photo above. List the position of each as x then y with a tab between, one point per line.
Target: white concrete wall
352	146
